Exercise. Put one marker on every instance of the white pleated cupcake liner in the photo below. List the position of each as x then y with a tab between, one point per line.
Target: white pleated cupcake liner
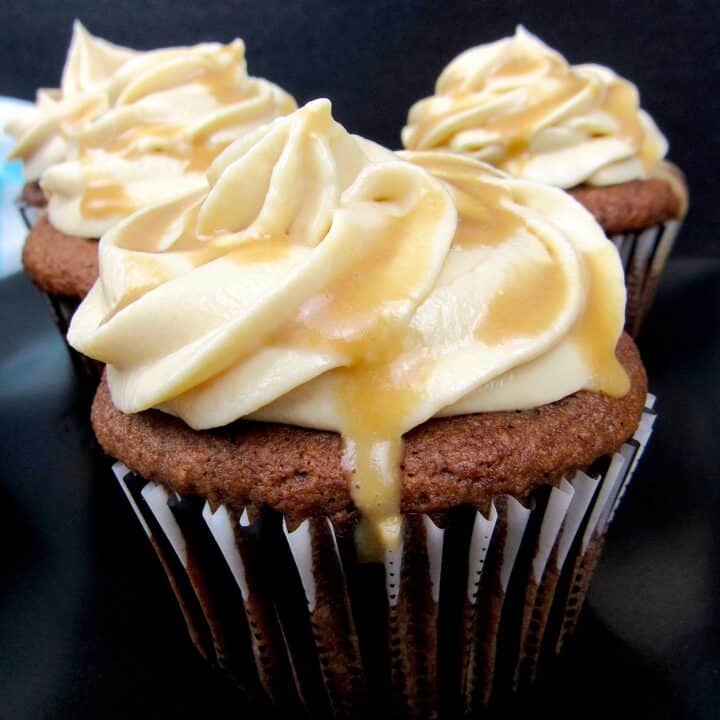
460	614
643	256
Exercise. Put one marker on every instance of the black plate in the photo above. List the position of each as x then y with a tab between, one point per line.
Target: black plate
89	628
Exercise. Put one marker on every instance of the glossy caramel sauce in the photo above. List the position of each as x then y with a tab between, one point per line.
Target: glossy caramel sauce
596	326
528	304
357	317
195	154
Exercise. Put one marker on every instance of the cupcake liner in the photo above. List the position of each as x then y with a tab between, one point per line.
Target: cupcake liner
644	255
62	309
29	213
466	610
88	371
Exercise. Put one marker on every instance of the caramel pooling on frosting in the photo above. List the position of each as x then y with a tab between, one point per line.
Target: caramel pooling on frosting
159	120
519	105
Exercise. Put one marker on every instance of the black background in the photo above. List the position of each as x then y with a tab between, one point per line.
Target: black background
374	58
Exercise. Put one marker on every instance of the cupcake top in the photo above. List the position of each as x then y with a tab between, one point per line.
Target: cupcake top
161	118
326	282
42	131
519	105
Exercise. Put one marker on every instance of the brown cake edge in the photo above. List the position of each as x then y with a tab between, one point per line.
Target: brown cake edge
632	206
67	266
448	462
32	194
60	265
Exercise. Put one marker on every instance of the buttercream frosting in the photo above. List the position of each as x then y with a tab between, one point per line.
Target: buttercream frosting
172	111
42	131
128	129
519	105
323	281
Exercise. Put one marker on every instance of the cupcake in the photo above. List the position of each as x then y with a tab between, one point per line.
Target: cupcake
43	131
128	130
374	414
519	105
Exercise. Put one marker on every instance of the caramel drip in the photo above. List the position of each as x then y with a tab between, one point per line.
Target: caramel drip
517	128
483	215
105	199
263	250
483	218
355	316
375	406
597	327
526	305
621	103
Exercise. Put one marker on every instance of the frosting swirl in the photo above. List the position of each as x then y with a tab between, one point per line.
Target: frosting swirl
172	111
326	282
42	131
519	105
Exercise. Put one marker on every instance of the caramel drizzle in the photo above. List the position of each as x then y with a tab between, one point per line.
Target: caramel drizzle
106	199
515	128
376	393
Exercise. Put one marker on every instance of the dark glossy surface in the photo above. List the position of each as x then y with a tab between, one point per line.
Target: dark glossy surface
89	629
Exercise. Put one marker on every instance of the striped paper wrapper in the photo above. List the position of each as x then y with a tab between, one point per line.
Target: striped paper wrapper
464	612
643	256
29	213
88	371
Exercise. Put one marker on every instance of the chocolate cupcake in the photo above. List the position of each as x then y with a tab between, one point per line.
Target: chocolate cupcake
374	423
519	105
126	130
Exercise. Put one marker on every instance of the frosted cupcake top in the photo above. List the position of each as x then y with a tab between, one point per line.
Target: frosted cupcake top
42	131
323	281
519	105
158	120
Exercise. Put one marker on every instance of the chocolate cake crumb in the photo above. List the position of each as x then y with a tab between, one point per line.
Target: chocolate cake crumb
60	265
32	194
630	206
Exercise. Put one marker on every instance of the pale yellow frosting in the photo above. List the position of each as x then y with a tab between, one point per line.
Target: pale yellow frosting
326	282
42	131
171	113
519	105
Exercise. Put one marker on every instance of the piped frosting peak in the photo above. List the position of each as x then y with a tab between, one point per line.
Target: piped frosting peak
519	105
